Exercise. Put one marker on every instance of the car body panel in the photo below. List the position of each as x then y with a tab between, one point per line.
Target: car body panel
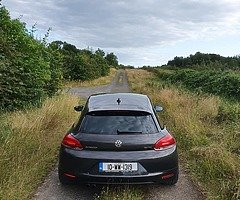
134	142
152	164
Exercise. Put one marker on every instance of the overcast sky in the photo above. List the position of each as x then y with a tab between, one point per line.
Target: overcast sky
139	32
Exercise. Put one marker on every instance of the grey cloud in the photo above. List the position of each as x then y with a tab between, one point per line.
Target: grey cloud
124	24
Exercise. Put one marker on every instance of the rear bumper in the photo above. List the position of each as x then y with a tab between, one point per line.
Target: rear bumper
151	178
152	165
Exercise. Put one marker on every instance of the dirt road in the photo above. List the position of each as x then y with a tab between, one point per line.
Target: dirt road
119	84
53	190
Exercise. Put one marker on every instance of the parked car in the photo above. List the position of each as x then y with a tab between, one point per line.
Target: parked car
117	140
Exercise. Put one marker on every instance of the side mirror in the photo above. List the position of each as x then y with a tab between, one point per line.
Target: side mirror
78	108
158	108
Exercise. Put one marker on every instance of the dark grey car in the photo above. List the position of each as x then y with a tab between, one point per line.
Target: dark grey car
117	140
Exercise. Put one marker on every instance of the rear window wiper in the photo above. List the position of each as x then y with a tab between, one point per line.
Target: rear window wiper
128	132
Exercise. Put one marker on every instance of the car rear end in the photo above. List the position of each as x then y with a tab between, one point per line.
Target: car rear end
118	147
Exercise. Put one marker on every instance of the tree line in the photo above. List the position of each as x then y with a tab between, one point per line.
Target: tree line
32	69
209	73
204	60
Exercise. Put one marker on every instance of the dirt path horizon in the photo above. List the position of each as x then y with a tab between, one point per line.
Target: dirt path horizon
51	189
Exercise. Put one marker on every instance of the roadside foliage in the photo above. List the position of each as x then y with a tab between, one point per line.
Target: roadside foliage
30	139
206	128
34	113
32	70
29	144
205	61
222	83
24	66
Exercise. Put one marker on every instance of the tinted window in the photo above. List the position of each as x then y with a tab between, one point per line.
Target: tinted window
118	123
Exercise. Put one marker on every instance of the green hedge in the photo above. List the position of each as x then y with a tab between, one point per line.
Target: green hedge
25	69
31	69
223	83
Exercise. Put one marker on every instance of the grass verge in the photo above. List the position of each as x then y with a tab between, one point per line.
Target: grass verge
207	136
29	144
96	82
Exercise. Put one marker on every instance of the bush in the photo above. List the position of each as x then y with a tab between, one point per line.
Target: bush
26	66
31	70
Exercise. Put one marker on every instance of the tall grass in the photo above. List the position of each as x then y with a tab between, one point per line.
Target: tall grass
29	144
207	136
29	141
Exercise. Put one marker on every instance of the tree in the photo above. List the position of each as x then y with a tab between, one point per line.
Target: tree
112	59
70	48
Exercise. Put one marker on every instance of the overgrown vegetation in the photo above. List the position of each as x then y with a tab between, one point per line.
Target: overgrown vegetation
29	144
31	73
32	70
206	129
82	64
25	70
223	83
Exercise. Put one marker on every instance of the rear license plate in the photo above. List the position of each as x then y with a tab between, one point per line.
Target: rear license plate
118	167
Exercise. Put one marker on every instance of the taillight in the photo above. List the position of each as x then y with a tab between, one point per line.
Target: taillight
164	143
71	142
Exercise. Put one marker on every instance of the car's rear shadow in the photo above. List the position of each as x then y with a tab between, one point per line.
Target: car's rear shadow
53	189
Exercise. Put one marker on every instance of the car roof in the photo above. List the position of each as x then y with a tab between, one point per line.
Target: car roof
119	101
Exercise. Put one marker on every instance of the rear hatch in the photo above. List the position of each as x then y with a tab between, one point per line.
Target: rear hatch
118	131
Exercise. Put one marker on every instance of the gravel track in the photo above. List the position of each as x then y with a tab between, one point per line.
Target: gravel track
119	84
51	189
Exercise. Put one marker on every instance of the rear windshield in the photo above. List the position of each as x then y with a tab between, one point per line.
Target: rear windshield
122	122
